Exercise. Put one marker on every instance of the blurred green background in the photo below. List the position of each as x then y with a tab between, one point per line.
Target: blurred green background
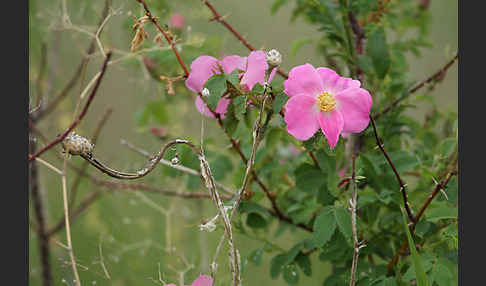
133	234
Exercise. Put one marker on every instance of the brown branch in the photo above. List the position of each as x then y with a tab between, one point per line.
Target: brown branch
166	36
221	20
399	179
76	76
436	76
80	116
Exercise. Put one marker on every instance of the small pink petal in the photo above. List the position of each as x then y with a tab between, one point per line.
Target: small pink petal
220	108
303	79
230	63
331	125
300	116
341	173
255	71
354	105
202	69
272	74
333	83
177	21
203	280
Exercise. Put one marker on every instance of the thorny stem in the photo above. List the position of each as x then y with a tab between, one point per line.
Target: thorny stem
80	116
353	205
436	76
443	183
166	36
221	20
399	179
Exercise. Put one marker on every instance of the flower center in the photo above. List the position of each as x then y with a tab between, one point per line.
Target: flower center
326	101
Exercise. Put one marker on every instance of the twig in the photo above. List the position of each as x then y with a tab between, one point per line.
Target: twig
221	20
80	116
76	76
94	138
177	167
102	260
439	74
68	227
49	165
166	36
399	179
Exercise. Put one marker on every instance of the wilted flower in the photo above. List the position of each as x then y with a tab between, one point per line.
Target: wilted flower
202	68
322	98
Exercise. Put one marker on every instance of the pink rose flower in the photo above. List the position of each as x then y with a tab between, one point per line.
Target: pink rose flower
204	67
176	20
203	280
320	98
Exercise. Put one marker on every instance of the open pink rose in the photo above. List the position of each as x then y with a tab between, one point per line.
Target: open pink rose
320	98
203	280
202	68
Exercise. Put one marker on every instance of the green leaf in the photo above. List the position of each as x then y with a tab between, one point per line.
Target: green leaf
255	220
343	219
441	212
403	161
441	275
291	274
216	86
417	263
324	227
239	105
276	265
327	163
277	4
279	102
220	166
378	50
308	178
447	146
303	261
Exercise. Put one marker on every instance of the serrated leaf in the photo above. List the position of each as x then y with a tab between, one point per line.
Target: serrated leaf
255	220
324	227
308	178
403	161
216	86
343	219
239	105
220	166
441	275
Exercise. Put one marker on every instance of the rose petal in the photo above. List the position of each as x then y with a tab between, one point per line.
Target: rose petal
333	83
255	71
354	105
331	125
203	280
202	69
220	108
230	63
303	79
300	116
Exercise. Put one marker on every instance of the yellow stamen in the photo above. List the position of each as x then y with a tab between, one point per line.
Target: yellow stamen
326	102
